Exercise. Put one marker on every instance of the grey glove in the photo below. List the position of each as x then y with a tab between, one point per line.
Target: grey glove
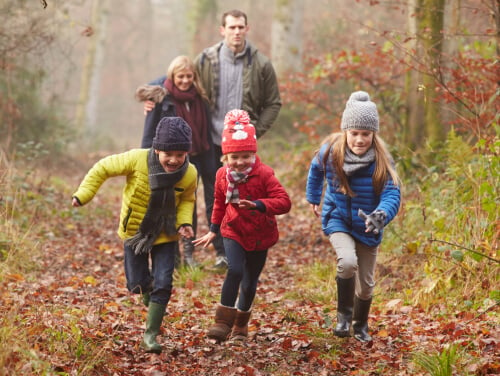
374	221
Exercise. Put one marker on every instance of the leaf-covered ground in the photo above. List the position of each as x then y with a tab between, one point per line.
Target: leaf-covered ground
80	295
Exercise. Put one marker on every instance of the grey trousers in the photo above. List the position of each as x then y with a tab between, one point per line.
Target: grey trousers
355	259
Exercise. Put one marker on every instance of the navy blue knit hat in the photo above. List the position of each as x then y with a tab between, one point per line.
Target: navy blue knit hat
172	133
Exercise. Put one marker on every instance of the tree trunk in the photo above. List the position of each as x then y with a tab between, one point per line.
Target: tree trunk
415	101
204	23
95	76
452	24
430	15
287	36
495	10
88	97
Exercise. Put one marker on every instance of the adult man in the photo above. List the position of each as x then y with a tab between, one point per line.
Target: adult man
235	75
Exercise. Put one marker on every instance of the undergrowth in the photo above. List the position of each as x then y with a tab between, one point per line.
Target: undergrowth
28	200
450	217
440	254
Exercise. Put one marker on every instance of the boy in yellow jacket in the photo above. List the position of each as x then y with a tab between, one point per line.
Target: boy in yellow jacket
157	206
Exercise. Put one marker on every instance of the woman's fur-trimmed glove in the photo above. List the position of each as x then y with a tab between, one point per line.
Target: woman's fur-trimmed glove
374	221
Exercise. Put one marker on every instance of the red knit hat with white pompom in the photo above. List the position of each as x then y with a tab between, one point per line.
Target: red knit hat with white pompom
238	133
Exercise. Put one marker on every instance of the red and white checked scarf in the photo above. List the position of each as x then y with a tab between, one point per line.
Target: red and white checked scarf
234	178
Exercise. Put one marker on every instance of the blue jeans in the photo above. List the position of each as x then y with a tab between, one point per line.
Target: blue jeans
243	273
158	280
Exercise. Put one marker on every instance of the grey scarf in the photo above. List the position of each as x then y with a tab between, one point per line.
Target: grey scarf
354	163
161	213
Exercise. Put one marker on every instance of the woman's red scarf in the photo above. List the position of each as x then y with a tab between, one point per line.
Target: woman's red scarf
195	116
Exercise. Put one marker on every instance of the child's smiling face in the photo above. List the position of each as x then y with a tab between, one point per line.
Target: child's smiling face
240	160
171	160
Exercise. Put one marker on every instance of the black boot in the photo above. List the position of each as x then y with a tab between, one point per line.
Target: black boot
345	298
188	252
360	319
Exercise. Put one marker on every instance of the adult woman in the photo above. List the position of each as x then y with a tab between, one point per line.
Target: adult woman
181	94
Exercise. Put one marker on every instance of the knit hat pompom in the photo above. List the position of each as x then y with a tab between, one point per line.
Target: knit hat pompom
360	113
172	134
238	134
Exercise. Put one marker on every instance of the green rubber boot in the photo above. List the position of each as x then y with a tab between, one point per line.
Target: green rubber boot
153	324
145	299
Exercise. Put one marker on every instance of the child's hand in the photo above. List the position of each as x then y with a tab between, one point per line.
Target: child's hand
316	210
205	240
186	232
75	203
246	204
148	106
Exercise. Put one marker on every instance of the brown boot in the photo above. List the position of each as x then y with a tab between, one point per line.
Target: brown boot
224	319
240	327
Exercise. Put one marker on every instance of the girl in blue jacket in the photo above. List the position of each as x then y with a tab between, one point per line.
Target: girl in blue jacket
362	196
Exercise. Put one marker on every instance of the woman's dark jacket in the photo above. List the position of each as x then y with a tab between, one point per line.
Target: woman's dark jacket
163	109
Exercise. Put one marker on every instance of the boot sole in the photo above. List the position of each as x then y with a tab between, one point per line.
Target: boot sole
342	334
363	339
151	350
217	338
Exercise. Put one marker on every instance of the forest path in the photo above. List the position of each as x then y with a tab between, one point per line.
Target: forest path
82	286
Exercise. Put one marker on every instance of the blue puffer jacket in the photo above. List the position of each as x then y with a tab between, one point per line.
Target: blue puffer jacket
340	212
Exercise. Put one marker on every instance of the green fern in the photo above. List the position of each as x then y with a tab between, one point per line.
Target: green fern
438	364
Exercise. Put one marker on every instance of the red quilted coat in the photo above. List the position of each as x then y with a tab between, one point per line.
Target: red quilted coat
253	229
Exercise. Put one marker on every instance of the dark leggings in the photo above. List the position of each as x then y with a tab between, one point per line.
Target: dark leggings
244	268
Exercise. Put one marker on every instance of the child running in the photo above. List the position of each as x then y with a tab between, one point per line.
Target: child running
157	206
248	196
362	196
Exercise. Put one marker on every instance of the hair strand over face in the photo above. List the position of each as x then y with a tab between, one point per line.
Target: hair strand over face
384	169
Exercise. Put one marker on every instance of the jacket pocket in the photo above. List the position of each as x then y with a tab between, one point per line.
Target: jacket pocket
125	220
235	223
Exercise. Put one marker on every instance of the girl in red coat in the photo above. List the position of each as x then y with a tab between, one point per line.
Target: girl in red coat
247	198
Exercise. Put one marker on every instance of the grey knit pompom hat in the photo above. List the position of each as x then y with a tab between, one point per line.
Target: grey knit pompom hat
360	113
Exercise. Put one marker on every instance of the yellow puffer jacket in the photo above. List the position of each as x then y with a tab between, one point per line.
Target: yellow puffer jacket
133	164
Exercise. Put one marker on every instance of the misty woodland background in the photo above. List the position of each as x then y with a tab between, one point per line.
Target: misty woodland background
68	73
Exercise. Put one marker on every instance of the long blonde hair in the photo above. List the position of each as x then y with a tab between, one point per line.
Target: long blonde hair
183	62
384	169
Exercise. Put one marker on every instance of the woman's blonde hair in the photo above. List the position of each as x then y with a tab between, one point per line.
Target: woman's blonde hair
183	62
384	169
